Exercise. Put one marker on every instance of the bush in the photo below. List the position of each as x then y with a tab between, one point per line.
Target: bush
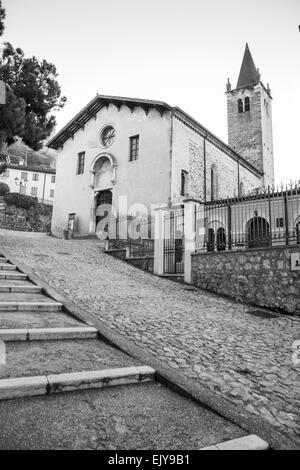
4	189
20	200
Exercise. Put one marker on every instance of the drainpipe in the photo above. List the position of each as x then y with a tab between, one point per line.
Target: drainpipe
204	162
238	175
44	188
171	153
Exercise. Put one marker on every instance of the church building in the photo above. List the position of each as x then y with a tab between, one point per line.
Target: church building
149	153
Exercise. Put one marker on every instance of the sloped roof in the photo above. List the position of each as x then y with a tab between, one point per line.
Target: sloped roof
248	73
102	101
92	108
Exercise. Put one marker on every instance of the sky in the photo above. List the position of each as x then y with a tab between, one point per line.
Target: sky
177	51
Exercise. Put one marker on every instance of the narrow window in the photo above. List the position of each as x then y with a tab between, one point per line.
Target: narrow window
53	179
23	175
213	183
241	189
240	106
247	103
23	189
34	191
80	163
133	148
51	192
35	177
184	180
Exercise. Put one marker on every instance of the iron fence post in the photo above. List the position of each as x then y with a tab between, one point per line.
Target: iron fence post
229	226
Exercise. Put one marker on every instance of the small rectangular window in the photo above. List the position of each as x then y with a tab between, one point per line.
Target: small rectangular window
184	180
80	163
24	175
133	148
34	191
51	192
53	179
279	222
35	177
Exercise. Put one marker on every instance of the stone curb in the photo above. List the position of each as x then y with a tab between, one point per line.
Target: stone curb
57	383
31	306
251	442
34	334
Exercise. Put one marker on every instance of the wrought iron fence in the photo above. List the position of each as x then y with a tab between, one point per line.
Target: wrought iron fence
262	219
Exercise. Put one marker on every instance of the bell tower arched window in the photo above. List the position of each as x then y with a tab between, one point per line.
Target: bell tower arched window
247	103
240	105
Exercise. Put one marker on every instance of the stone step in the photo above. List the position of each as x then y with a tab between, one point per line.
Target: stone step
23	297
29	289
12	275
16	282
4	260
42	334
19	319
57	383
31	358
7	267
31	306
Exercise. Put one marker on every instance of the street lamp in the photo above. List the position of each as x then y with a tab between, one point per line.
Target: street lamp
21	182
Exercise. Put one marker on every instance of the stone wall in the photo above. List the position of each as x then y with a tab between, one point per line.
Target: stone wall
261	277
145	263
37	219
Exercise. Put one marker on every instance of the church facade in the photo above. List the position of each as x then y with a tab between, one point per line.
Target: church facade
138	154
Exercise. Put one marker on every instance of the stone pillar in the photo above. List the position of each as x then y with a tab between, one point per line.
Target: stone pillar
159	235
193	216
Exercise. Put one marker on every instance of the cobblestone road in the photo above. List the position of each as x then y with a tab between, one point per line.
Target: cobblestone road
245	358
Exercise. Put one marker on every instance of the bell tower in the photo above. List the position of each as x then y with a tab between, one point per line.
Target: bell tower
249	118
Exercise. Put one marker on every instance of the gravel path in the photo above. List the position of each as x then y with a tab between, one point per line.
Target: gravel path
245	358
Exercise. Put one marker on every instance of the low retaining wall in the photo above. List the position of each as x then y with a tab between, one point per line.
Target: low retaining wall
258	276
37	219
146	263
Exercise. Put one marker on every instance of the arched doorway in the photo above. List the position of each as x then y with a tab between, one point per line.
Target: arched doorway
103	198
221	239
258	232
210	240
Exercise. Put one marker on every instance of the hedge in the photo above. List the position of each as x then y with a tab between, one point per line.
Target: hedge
20	200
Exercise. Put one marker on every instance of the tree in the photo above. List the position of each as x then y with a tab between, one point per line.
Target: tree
2	18
4	189
33	92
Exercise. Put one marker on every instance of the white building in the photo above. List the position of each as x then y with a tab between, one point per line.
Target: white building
32	181
152	153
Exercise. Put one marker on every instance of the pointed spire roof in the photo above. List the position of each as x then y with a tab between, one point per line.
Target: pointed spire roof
248	73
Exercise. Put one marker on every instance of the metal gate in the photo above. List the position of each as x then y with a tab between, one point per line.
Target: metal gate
174	242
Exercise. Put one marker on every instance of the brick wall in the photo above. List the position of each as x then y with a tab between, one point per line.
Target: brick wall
260	276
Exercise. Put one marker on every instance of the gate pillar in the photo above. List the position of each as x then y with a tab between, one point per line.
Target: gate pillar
192	211
159	235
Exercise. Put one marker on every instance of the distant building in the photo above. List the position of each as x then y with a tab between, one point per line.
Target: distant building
32	181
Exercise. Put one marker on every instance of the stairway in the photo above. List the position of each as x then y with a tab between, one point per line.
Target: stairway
113	400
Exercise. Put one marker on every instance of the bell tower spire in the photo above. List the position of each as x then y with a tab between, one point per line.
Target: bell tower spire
249	118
